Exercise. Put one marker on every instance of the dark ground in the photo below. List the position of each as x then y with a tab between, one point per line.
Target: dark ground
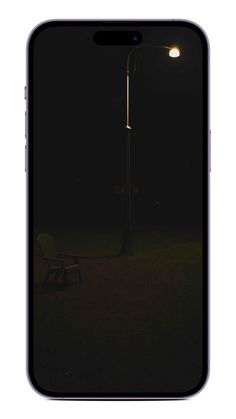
134	324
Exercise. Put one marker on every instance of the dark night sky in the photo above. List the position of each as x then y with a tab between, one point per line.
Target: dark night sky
79	135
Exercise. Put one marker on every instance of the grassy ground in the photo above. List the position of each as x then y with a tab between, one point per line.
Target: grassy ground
133	324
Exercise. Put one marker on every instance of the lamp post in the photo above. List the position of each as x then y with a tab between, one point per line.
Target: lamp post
126	248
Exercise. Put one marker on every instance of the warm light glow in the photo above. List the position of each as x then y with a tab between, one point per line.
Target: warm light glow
174	52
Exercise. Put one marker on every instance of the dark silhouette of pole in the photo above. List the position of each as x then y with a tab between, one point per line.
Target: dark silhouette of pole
127	248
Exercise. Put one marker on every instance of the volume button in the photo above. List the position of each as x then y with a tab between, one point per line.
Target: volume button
26	159
26	125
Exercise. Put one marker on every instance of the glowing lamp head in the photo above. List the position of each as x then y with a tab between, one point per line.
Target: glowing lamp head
174	52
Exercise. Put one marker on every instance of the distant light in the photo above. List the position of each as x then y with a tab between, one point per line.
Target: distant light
174	52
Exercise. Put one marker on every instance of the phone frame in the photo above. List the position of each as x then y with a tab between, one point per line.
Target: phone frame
29	215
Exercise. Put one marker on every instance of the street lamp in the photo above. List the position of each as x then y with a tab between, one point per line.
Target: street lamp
126	249
174	52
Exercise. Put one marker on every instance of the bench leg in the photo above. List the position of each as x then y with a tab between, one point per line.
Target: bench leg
65	278
46	280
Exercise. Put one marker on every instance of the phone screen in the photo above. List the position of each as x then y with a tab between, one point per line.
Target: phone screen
117	208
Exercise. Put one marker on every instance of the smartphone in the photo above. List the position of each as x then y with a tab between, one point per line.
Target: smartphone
117	169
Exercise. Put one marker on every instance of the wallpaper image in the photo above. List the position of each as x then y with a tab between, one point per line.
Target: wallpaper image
116	145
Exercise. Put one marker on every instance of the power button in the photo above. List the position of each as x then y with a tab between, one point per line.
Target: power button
209	150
